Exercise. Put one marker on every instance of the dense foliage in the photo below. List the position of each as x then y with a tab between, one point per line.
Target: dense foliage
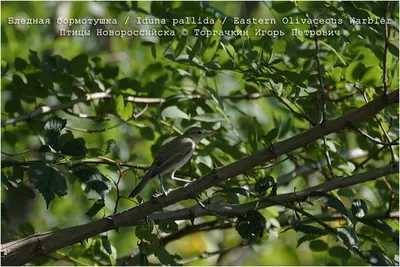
85	111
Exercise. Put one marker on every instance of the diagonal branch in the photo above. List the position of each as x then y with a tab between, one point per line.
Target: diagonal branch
25	250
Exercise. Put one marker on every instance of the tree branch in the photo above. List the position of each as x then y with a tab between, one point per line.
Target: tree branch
22	251
46	109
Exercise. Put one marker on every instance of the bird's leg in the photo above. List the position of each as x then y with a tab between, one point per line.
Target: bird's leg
178	179
162	185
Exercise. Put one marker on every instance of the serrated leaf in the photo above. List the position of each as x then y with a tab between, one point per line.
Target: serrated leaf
91	178
95	208
359	208
52	130
48	181
348	236
75	147
329	200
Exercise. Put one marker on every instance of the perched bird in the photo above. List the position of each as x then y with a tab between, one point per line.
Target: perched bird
173	156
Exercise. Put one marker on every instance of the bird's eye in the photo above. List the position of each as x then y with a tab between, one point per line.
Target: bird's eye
199	132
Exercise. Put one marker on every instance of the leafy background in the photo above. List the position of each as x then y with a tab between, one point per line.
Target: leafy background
277	78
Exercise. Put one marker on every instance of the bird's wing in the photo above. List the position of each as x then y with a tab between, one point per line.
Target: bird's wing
169	155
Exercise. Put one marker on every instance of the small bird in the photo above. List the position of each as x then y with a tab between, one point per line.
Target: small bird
173	156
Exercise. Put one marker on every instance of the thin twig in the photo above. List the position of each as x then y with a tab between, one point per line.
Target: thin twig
48	109
20	153
85	116
393	143
133	117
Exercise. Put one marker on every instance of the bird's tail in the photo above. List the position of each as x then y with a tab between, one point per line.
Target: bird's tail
140	186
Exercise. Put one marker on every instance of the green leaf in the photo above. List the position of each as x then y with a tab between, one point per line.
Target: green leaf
107	146
195	48
307	238
128	111
79	65
372	76
168	226
271	136
354	71
209	117
329	200
252	138
213	42
377	258
147	133
91	178
143	231
110	71
33	58
394	50
20	64
251	225
264	184
4	212
106	244
340	252
4	67
180	46
154	51
310	230
348	236
165	258
336	74
120	105
95	208
359	208
52	130
48	181
318	245
75	147
174	112
381	226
